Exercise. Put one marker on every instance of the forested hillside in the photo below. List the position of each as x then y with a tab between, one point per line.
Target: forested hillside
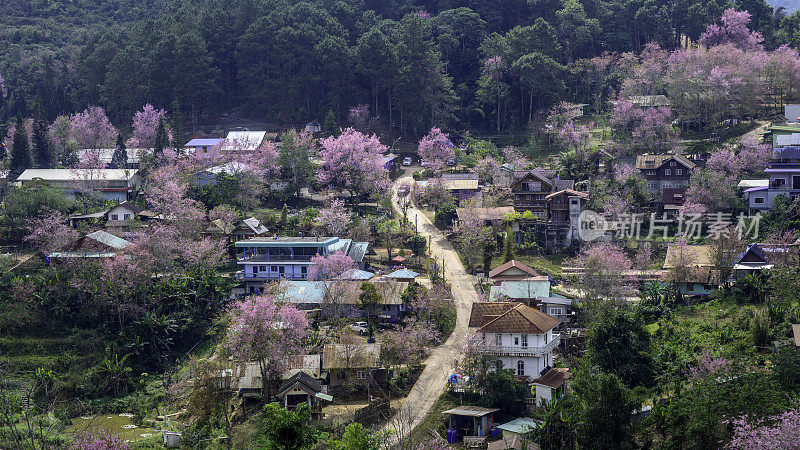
488	65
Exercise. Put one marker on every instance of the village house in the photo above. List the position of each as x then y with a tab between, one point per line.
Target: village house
514	434
403	275
530	189
690	267
649	101
511	271
245	229
463	186
203	145
106	156
112	185
352	363
521	338
784	180
559	307
340	298
302	388
472	424
264	259
666	177
495	216
551	385
759	257
99	244
243	141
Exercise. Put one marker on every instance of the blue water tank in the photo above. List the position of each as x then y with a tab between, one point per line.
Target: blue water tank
452	436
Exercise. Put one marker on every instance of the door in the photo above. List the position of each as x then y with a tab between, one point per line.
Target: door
795	181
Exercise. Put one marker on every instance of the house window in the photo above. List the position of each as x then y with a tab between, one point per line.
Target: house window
498	339
672	163
273	269
545	339
361	374
281	270
573	202
262	268
556	311
524	340
127	217
652	186
667	171
531	186
516	340
678	171
521	367
758	200
780	181
650	172
304	270
114	217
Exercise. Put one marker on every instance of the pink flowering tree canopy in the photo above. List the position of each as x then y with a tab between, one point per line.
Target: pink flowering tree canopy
50	232
777	432
265	330
732	30
353	161
602	265
334	218
409	344
92	129
436	148
145	123
330	267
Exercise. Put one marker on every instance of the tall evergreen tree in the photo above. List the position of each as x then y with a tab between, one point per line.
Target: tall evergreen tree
20	150
330	127
176	123
120	158
162	140
42	147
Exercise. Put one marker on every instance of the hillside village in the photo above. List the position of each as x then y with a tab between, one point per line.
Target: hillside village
622	273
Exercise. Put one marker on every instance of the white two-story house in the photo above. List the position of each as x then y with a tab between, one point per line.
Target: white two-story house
520	337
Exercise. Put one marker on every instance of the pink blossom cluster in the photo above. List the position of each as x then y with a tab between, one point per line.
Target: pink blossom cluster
102	440
354	161
708	365
436	148
334	218
145	125
330	267
265	330
732	30
777	432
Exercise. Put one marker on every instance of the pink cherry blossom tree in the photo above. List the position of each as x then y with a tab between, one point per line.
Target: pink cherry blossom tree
100	440
334	218
264	330
732	30
776	432
353	161
359	118
602	265
92	129
145	124
330	267
409	344
436	148
49	232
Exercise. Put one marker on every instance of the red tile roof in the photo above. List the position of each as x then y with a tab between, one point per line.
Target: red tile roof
513	263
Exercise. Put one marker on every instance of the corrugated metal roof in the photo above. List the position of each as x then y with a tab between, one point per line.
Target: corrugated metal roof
312	292
744	184
402	273
472	411
519	426
243	140
78	174
785	140
356	274
350	356
108	239
210	142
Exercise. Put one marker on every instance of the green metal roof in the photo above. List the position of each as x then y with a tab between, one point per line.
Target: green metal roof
520	289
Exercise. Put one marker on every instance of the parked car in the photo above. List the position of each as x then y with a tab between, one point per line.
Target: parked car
360	328
407	161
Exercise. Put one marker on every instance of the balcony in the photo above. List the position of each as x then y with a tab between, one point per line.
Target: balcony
518	350
272	258
242	275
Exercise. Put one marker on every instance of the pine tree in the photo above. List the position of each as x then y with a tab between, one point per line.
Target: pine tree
42	147
176	123
162	140
120	158
20	150
331	127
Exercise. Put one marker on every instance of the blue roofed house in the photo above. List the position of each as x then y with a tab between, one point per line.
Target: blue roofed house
525	291
514	434
784	179
264	259
403	274
340	298
204	145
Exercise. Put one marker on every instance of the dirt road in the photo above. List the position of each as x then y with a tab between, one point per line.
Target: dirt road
439	365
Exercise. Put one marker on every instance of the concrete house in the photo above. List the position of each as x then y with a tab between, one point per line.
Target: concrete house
264	259
521	338
112	185
784	180
551	385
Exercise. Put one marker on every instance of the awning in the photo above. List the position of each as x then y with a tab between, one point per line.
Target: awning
326	397
748	267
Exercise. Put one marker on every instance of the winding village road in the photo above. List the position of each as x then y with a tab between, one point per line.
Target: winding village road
440	363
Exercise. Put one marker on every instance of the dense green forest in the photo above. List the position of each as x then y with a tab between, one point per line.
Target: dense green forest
486	65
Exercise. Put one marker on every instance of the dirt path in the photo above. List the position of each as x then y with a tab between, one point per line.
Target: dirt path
439	364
